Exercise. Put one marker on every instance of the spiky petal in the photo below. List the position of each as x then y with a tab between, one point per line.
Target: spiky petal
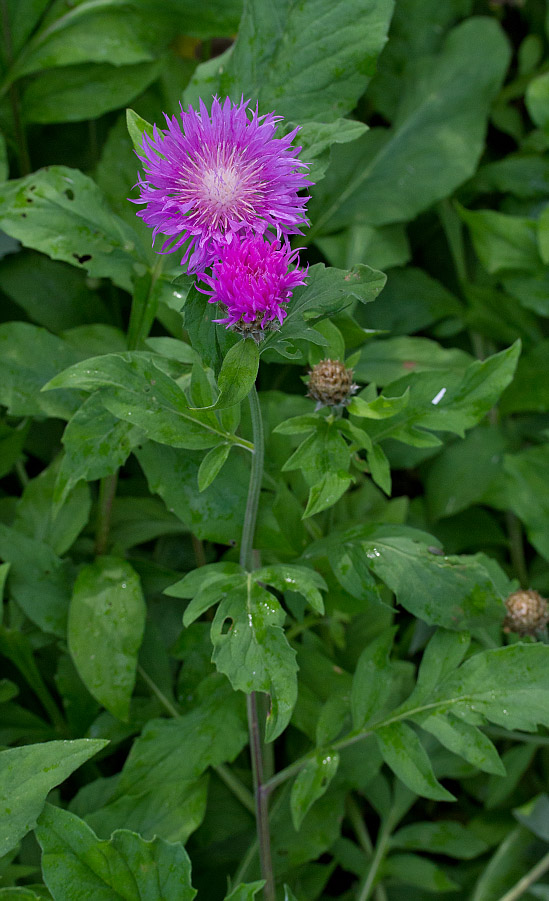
253	281
212	176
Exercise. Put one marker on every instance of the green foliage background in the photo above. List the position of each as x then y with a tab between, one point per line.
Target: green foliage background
407	739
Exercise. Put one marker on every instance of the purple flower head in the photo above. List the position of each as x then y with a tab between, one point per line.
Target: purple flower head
253	281
210	177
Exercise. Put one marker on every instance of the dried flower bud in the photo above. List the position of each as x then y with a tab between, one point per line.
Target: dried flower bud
331	384
526	612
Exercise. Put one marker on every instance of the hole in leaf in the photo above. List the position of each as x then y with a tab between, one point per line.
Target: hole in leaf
227	626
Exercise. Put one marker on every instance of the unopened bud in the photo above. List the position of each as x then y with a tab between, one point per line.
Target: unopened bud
526	612
331	384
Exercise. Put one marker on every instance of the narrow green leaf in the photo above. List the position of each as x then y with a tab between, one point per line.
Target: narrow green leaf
245	892
405	755
372	679
446	837
28	774
310	784
105	630
326	492
464	740
379	467
211	465
380	408
137	127
237	375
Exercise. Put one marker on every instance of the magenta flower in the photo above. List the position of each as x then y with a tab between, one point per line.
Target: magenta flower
253	281
213	176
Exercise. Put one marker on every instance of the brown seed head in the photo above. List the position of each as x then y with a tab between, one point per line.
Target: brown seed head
330	383
526	612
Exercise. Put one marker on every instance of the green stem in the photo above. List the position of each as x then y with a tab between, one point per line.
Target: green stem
524	884
365	842
235	785
367	884
256	739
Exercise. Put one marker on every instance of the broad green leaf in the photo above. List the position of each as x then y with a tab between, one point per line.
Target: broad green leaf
309	61
448	401
529	390
327	290
526	492
381	247
537	100
180	750
52	294
21	894
61	212
245	892
35	564
405	755
136	390
35	514
105	630
76	863
23	16
23	374
310	784
96	445
387	360
215	514
502	241
412	870
173	811
372	679
288	577
456	592
137	127
461	473
211	465
85	92
28	774
250	648
410	302
446	837
508	686
390	175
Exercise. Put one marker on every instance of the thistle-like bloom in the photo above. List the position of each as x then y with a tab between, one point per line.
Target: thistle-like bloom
254	282
213	176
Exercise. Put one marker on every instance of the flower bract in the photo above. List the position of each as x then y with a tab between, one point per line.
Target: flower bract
253	280
212	176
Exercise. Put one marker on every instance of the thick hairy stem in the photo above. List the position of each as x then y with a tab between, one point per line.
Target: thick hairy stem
254	727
